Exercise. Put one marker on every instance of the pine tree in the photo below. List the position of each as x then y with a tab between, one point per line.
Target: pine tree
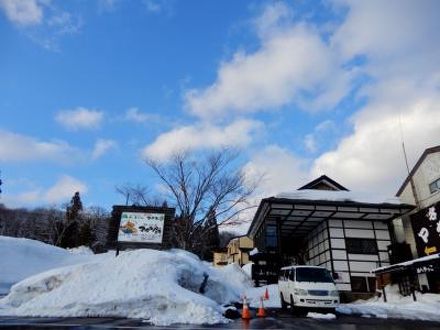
74	234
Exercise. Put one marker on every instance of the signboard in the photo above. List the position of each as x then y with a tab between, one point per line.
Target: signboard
140	227
426	227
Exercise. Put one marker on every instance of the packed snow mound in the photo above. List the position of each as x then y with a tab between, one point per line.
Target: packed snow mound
81	250
247	268
321	316
426	307
21	258
254	294
158	286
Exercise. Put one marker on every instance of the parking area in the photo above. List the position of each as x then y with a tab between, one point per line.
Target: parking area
276	319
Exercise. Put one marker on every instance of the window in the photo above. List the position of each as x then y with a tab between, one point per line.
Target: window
313	275
271	237
363	284
292	275
361	245
434	186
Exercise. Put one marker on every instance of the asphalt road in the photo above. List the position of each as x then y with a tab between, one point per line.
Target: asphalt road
276	320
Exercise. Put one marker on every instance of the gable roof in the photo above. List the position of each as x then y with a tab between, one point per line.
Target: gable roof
323	180
416	167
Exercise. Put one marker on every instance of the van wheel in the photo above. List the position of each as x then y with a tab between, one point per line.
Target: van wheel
283	302
292	304
297	311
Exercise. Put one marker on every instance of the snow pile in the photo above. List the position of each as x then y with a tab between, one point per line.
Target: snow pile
247	268
321	316
81	250
426	307
253	295
21	258
160	287
337	196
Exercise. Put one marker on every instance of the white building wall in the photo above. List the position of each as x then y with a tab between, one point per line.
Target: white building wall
346	264
428	172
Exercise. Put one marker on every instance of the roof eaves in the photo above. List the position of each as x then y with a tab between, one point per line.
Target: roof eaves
416	167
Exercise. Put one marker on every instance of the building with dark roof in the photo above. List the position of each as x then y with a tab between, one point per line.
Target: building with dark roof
324	224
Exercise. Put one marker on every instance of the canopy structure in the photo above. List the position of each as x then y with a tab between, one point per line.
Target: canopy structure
421	265
299	212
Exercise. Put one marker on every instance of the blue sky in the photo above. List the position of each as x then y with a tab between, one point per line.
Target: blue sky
88	89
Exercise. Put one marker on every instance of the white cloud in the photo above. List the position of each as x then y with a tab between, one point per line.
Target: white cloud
61	191
312	141
280	169
201	136
293	65
372	157
23	12
159	7
42	21
80	118
380	29
16	147
135	115
102	146
402	47
64	23
107	5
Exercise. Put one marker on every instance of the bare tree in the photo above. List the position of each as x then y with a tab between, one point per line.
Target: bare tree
135	194
200	187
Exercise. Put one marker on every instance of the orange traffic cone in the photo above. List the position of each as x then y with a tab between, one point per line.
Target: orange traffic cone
245	314
266	294
261	311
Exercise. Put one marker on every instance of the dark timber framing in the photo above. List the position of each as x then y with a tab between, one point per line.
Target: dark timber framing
321	227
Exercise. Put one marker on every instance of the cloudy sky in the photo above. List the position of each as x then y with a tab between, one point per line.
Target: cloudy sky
88	89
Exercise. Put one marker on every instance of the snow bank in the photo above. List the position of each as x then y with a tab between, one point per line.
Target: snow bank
160	287
253	295
426	307
81	250
321	316
247	268
21	258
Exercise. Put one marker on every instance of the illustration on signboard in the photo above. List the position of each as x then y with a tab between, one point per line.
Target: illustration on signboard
141	227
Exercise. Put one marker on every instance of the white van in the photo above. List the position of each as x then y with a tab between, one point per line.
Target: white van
307	288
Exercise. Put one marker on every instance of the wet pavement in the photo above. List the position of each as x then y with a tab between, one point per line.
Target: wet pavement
276	320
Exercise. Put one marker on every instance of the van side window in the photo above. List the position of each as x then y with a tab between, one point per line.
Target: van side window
281	277
292	275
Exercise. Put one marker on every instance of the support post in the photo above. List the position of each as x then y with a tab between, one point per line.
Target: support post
383	288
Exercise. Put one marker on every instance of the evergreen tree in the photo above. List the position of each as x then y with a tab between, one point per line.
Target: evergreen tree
74	233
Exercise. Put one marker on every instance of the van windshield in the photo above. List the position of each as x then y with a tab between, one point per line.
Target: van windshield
313	275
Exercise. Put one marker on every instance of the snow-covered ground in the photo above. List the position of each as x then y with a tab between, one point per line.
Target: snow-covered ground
161	287
427	306
253	296
21	258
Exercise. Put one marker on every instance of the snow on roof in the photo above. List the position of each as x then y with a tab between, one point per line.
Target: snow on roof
338	196
407	263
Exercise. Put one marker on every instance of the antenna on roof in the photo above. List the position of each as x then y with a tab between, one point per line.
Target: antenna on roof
411	180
